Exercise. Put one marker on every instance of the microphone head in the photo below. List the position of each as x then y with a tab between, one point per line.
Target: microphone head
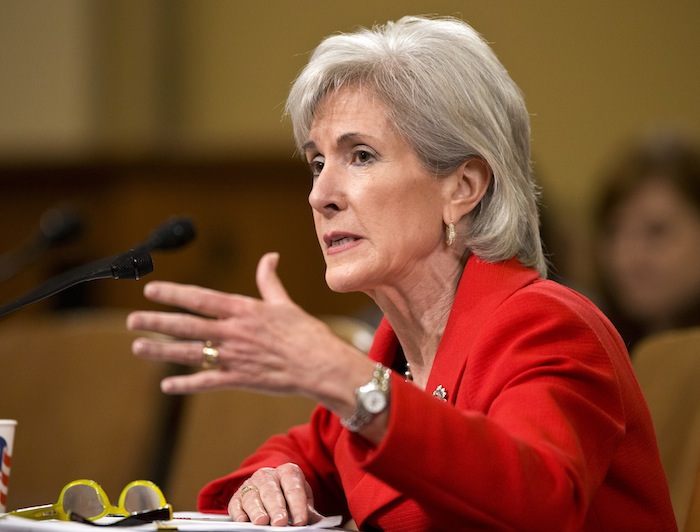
173	234
133	264
58	225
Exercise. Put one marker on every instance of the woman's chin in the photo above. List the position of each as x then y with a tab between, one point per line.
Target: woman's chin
341	282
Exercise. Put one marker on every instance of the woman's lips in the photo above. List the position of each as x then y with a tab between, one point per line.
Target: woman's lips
337	243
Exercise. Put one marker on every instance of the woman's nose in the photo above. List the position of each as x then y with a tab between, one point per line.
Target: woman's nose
326	195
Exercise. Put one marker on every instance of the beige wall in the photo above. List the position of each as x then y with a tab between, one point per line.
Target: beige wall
207	78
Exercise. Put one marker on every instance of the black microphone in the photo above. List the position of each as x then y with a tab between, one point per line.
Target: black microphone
172	234
58	225
130	265
133	264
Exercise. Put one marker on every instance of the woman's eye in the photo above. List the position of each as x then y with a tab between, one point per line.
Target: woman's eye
362	156
316	167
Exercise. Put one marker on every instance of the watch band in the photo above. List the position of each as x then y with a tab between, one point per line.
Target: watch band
381	381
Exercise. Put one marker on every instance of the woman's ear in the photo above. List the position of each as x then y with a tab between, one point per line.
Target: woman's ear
467	186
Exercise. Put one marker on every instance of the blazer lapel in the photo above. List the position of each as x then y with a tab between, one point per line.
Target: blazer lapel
482	288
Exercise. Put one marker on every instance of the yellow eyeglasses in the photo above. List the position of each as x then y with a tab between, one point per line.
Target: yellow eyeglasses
85	500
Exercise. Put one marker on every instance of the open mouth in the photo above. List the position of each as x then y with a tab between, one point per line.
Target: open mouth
335	242
339	240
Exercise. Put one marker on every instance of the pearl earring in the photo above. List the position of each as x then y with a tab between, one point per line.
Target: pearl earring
450	234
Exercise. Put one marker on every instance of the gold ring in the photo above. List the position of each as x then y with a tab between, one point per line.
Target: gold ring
210	355
245	489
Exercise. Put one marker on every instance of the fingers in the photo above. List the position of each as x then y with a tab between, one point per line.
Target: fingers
260	500
297	493
200	381
247	505
186	353
269	284
248	335
274	496
173	324
203	301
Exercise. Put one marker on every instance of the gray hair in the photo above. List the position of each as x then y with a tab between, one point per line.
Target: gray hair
450	99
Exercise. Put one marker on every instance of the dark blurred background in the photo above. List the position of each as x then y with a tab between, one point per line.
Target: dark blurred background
136	109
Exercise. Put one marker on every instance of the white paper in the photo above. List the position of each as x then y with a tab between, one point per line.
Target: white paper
182	522
196	521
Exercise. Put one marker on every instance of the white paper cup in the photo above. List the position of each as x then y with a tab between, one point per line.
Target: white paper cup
7	437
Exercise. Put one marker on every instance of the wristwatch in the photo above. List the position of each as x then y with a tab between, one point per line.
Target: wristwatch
372	399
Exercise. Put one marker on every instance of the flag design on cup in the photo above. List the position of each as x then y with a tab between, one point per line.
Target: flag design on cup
5	476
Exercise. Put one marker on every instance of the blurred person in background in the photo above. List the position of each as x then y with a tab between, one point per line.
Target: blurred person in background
647	240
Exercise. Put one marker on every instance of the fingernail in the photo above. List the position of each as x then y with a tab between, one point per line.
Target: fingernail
260	518
280	519
150	290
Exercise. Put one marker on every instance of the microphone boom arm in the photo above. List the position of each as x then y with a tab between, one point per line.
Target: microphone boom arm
130	265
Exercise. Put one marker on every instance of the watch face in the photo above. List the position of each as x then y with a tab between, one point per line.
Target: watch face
374	401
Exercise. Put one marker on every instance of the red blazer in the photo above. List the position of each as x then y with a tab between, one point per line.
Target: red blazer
544	426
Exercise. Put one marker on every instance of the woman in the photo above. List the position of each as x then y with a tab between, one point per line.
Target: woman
518	408
648	235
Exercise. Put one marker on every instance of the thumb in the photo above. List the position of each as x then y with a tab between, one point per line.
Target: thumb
269	284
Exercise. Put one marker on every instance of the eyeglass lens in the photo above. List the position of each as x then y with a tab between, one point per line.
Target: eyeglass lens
140	498
84	500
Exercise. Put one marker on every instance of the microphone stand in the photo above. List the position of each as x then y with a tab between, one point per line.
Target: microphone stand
134	264
130	265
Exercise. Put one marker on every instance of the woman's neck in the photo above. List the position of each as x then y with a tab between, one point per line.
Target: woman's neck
418	317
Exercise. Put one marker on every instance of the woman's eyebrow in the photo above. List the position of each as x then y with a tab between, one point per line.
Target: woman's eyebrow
343	139
308	146
346	137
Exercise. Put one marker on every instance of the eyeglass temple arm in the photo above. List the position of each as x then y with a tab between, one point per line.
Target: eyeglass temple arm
148	516
44	511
